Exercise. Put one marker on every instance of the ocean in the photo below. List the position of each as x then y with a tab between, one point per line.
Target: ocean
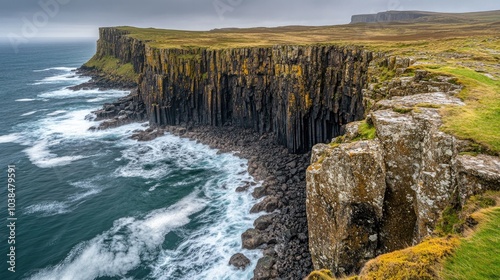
98	205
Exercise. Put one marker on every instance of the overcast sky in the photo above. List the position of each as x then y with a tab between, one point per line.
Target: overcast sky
81	18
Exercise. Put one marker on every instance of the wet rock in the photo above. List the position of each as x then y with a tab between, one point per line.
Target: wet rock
259	192
263	270
239	261
243	188
263	222
269	204
252	239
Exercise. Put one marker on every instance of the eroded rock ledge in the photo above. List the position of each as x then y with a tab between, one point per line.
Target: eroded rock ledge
370	195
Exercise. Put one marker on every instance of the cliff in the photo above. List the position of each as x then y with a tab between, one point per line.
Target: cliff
416	17
390	16
302	94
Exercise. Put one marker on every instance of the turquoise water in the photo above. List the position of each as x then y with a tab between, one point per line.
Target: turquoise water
97	205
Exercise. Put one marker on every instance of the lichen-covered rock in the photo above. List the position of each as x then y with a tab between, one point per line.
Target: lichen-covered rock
477	174
420	182
420	172
345	196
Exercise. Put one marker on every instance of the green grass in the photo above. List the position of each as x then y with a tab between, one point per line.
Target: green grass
402	110
366	131
479	120
112	66
448	222
479	256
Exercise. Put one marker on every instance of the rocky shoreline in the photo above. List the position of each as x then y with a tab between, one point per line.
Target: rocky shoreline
281	232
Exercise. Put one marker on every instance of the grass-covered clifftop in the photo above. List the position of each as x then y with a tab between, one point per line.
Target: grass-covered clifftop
466	46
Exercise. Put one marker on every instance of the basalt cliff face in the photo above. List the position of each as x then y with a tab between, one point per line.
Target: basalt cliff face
302	94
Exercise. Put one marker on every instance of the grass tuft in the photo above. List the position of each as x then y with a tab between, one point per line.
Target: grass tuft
402	110
366	131
418	262
478	257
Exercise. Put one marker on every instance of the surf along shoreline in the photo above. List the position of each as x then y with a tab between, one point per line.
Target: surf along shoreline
281	232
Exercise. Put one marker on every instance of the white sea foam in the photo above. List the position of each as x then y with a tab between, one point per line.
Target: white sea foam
25	100
60	127
89	188
123	247
181	153
98	99
64	127
68	69
84	93
63	78
153	188
29	113
9	138
204	253
84	195
58	112
48	208
40	155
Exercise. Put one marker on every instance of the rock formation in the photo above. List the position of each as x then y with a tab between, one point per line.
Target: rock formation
366	197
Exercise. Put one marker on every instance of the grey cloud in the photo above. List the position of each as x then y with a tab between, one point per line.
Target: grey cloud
83	17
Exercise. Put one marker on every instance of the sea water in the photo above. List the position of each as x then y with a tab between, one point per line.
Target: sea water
98	205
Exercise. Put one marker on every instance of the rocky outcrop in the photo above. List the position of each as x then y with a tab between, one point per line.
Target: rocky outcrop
345	204
372	196
302	94
389	16
123	111
239	261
